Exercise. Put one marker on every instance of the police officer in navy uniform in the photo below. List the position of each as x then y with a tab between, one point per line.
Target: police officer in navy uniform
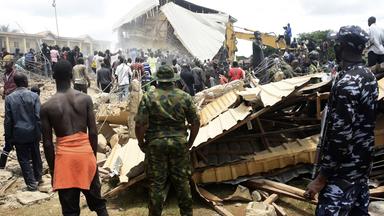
347	153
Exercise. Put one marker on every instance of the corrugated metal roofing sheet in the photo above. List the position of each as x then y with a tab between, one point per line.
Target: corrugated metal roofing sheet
216	107
123	158
299	151
223	122
201	34
271	93
143	7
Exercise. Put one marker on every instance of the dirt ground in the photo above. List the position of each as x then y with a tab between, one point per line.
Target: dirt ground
131	202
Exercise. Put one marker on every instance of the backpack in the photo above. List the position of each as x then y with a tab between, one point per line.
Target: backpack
93	65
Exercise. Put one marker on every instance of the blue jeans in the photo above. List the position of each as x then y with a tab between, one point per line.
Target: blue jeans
32	173
123	92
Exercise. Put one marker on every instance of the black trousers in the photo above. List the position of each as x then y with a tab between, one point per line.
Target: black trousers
4	155
106	88
374	59
70	199
32	173
81	87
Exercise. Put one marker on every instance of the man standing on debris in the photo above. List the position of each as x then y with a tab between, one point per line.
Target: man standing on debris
236	73
376	40
123	72
104	78
347	150
72	164
81	81
162	135
22	130
9	87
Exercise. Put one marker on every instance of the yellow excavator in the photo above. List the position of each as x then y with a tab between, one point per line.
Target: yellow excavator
267	39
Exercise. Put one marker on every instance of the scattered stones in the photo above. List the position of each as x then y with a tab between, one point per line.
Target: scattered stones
31	197
5	176
376	208
260	209
10	202
256	196
237	204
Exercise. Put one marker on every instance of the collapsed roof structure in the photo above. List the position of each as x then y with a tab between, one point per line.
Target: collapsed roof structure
173	25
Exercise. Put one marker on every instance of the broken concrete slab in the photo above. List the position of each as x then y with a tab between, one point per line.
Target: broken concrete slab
241	194
256	196
101	143
31	197
376	208
260	209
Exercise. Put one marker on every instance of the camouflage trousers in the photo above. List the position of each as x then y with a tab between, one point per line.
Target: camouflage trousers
342	198
168	159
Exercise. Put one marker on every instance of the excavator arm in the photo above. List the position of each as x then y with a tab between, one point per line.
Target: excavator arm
266	38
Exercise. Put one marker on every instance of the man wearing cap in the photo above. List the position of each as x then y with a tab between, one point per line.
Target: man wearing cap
9	87
347	152
162	134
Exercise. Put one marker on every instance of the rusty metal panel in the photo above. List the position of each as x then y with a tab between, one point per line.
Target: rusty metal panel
223	122
293	153
216	107
271	93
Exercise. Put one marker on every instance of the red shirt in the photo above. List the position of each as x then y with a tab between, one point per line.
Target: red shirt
236	73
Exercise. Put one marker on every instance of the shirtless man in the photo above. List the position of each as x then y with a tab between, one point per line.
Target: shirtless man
73	165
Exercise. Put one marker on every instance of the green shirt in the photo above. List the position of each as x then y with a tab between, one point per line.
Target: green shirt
165	111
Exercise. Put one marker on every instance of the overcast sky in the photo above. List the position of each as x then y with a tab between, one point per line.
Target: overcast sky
96	17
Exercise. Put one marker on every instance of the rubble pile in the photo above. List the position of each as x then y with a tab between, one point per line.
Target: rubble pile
269	132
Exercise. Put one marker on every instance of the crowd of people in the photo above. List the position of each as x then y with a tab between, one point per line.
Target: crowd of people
161	129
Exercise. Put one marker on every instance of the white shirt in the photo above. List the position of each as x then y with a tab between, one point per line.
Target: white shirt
376	39
122	72
98	59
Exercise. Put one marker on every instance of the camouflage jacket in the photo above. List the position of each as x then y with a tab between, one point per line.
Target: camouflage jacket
165	111
349	143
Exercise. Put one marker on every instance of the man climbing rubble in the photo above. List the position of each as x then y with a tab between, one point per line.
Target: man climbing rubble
72	163
347	150
162	135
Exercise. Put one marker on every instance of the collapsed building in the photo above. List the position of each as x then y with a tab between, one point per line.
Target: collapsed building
174	25
269	131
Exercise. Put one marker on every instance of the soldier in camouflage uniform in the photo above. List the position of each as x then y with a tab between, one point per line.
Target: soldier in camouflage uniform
314	66
162	134
347	153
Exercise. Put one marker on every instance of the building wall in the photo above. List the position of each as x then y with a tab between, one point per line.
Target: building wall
26	41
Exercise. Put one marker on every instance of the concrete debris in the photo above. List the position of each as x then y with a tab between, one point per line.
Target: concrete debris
31	197
5	176
101	144
376	208
256	196
241	194
210	94
260	209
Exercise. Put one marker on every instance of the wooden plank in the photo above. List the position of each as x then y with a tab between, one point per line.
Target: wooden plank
279	210
213	201
280	192
280	186
6	186
377	191
272	198
124	186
